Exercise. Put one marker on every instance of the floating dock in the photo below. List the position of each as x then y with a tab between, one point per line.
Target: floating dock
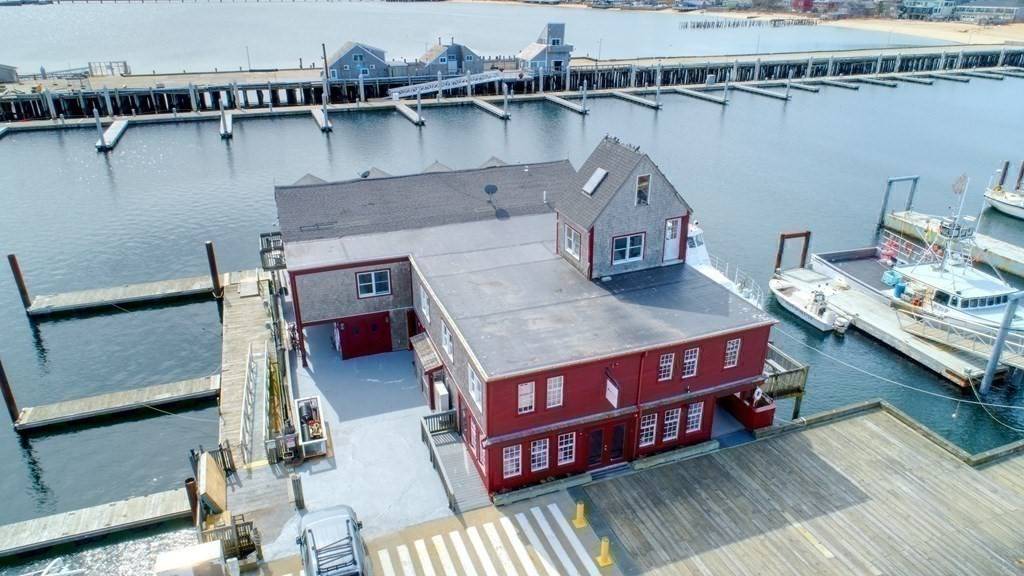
949	77
975	74
760	91
146	292
566	104
491	108
112	135
1011	73
804	87
226	125
3	131
77	525
35	417
700	95
321	119
410	114
913	79
992	251
878	82
636	99
840	84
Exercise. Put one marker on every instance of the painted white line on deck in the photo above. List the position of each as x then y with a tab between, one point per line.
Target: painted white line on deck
517	546
563	557
499	549
385	563
442	554
574	541
542	553
421	551
403	556
481	551
463	554
807	534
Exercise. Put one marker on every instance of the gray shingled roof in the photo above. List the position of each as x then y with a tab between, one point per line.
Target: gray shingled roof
437	166
493	161
347	46
619	160
362	206
374	172
309	179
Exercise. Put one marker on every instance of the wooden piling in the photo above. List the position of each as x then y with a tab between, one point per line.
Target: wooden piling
19	280
5	387
211	257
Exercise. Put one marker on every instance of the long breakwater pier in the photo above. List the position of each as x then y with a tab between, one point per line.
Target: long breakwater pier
127	96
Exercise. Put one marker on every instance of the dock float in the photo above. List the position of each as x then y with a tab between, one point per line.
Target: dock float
112	135
125	294
949	77
804	87
878	82
978	74
321	119
913	79
3	131
566	104
78	525
409	113
840	84
226	122
701	95
35	417
992	251
491	108
760	91
1012	73
636	99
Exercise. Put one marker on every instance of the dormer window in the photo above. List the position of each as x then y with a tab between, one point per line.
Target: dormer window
595	180
643	189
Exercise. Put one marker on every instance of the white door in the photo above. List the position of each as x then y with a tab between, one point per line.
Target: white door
671	251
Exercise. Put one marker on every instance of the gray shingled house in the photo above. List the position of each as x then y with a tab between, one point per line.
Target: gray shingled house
449	59
549	52
354	58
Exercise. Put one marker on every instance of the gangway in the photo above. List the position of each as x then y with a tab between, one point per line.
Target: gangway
456	82
972	338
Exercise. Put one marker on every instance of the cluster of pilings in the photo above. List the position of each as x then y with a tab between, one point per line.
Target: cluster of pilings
716	23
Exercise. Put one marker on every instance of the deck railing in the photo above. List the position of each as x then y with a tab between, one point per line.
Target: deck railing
438	423
786	376
748	288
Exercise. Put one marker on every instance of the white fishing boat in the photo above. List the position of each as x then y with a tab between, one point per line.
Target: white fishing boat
1006	201
811	306
731	277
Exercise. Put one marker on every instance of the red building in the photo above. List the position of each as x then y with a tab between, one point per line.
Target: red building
551	307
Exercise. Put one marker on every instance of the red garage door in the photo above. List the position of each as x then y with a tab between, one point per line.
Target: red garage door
365	335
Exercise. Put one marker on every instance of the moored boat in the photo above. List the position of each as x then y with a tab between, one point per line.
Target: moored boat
810	306
1005	200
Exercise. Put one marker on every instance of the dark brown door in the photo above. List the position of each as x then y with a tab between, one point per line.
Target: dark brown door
617	445
365	335
606	445
595	448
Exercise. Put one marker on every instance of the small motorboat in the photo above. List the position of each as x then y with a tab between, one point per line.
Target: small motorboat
1009	202
810	306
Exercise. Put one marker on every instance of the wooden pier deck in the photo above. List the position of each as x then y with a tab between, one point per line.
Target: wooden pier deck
992	251
491	108
35	417
700	95
409	114
147	292
565	104
840	84
322	120
112	135
77	525
760	91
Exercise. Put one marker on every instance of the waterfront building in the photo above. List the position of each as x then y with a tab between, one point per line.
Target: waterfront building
8	74
549	52
990	11
450	59
927	9
550	308
355	58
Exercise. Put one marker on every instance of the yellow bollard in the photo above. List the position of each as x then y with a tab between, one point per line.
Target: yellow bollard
580	521
604	559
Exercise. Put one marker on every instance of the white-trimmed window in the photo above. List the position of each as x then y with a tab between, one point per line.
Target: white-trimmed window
357	57
690	358
446	342
373	66
671	431
472	437
732	352
344	67
538	455
376	283
648	425
526	398
665	365
572	242
424	304
627	249
334	73
443	59
469	57
643	190
474	385
694	417
556	41
555	392
511	461
566	448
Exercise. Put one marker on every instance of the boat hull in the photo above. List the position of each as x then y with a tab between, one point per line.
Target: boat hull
795	306
1005	207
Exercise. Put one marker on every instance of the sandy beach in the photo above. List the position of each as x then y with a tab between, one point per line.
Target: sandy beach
959	32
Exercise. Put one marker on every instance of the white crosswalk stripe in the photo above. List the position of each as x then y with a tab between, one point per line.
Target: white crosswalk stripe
517	546
442	553
531	536
424	556
481	551
574	541
499	549
385	563
406	560
460	550
563	557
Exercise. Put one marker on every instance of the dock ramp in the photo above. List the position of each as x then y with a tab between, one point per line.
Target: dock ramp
458	82
977	339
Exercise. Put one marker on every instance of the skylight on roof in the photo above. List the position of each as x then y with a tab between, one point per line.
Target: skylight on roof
595	180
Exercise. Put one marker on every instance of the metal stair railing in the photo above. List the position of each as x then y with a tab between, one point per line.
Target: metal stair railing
968	337
458	82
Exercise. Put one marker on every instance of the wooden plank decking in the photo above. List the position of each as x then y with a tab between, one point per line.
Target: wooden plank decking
34	417
864	495
83	300
76	525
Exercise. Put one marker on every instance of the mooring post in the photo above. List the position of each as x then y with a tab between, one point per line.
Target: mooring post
504	99
438	85
211	257
585	96
297	496
789	82
270	97
19	280
997	348
99	129
419	104
5	386
657	86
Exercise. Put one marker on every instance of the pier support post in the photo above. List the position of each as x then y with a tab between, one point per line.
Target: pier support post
419	104
504	99
99	129
1002	56
49	104
362	88
657	86
211	257
789	82
5	387
297	496
757	69
106	98
439	86
19	280
997	348
810	68
584	96
270	97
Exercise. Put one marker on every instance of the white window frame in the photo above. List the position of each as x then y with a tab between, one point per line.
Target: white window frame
694	417
555	392
527	395
732	352
373	66
647	191
442	60
425	303
671	425
469	57
373	283
539	455
572	241
344	67
629	246
648	429
666	365
357	57
334	73
475	386
512	461
446	341
566	448
691	362
556	41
